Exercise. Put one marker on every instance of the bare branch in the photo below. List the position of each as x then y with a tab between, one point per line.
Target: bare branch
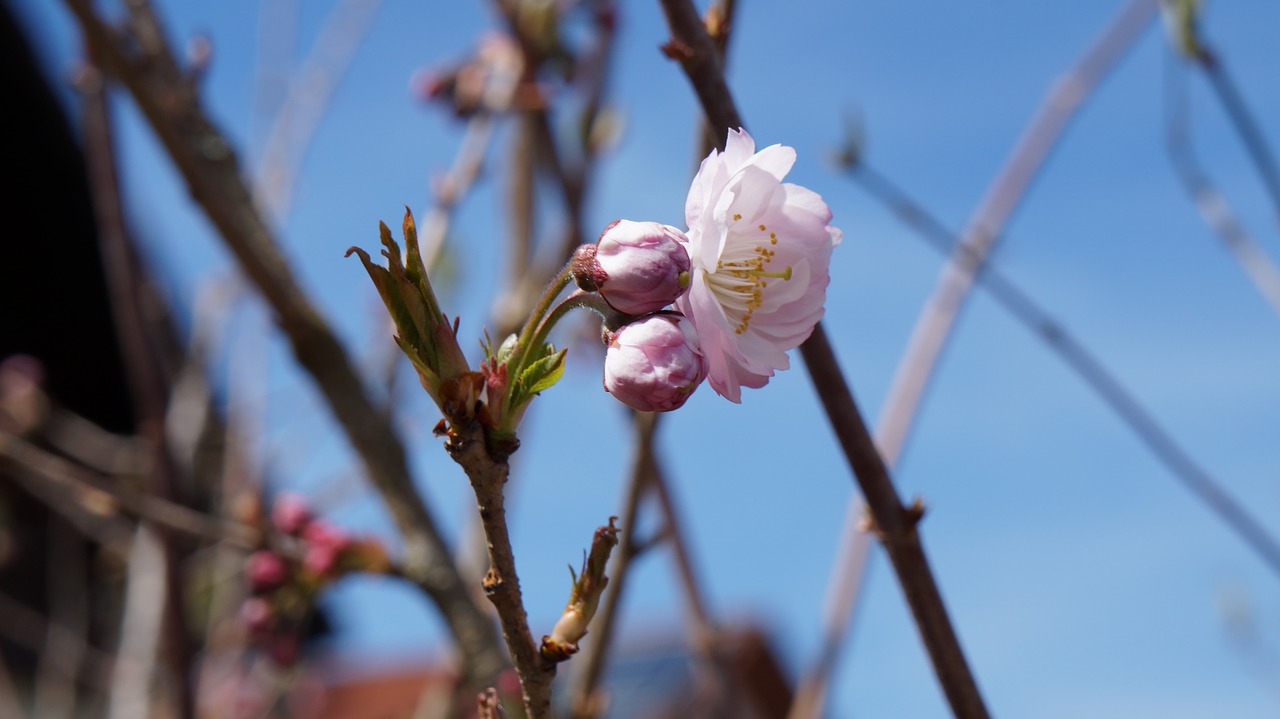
501	583
1209	201
933	328
586	702
693	48
206	161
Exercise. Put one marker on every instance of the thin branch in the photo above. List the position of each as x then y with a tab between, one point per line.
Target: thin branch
1209	201
587	702
39	469
55	695
308	96
896	523
27	628
147	373
936	320
206	161
933	328
1254	141
141	631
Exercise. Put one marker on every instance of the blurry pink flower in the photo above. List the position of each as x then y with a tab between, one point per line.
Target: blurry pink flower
291	513
265	571
760	250
653	364
325	546
637	267
258	615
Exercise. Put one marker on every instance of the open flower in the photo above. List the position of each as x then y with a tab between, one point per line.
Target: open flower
760	250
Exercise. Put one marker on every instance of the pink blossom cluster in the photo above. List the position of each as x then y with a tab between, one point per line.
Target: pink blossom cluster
283	588
748	281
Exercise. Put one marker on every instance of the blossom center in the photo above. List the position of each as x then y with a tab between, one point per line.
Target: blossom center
741	276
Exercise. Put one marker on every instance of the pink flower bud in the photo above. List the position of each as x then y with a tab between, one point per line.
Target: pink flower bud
654	363
258	615
325	545
638	267
265	571
291	513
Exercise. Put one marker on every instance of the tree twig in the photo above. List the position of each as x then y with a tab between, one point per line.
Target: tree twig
145	64
1211	204
933	328
1254	141
587	702
936	320
693	48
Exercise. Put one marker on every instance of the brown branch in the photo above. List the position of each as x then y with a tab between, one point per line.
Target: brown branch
206	161
466	445
147	376
96	498
967	257
896	523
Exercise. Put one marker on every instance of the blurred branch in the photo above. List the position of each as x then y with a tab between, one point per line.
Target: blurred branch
308	96
143	62
148	375
572	176
934	325
27	628
896	523
67	637
933	328
1183	26
586	701
1209	201
10	704
96	498
132	683
454	186
1109	389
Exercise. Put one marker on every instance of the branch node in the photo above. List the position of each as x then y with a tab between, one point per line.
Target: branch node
492	582
678	50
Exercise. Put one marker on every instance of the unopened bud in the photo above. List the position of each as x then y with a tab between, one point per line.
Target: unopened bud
325	546
258	615
654	363
291	513
584	597
265	570
637	267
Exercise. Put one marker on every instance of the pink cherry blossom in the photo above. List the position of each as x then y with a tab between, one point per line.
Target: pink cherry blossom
760	250
653	364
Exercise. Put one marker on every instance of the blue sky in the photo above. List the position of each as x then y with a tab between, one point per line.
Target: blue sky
1083	580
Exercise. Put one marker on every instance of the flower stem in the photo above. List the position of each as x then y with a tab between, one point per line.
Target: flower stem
579	299
530	329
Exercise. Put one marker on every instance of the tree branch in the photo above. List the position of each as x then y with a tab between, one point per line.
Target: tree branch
145	64
501	584
694	49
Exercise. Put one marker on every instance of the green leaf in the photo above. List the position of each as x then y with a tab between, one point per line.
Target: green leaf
390	289
544	373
